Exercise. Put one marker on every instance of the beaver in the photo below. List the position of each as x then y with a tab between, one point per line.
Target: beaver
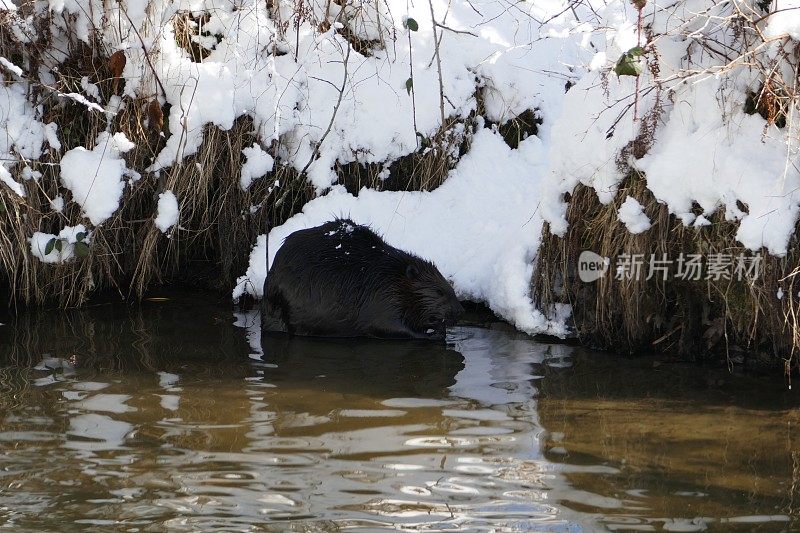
341	279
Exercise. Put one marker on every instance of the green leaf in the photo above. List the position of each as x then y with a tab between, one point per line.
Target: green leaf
411	24
81	249
59	245
409	85
628	66
80	236
636	51
49	246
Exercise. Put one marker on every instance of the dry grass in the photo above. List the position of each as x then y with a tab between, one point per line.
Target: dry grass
423	170
128	252
693	318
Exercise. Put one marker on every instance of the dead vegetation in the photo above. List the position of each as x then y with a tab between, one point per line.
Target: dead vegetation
737	319
694	318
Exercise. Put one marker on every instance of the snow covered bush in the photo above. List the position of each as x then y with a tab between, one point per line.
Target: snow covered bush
683	132
710	120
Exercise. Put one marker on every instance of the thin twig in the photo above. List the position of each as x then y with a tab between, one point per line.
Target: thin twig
144	49
438	63
335	111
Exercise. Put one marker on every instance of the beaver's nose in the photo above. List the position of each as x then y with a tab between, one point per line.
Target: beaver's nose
456	311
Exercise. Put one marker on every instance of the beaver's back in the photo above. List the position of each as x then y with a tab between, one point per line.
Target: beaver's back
339	279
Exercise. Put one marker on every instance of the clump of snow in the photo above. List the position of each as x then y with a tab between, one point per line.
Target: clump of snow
10	66
701	221
257	165
482	238
95	176
57	204
51	135
90	88
252	282
632	215
5	177
22	134
167	215
68	236
29	174
78	97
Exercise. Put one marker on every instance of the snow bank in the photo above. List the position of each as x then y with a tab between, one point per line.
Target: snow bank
787	22
288	78
682	125
701	157
480	228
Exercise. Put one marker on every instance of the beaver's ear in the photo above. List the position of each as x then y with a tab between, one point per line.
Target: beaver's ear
412	272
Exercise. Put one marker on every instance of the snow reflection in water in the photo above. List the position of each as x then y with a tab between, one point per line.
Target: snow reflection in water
160	419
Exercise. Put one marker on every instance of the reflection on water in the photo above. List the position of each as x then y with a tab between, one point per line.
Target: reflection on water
179	415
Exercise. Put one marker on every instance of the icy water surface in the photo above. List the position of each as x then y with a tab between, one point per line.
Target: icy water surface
175	416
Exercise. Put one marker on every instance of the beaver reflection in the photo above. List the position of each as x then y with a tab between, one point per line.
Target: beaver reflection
380	368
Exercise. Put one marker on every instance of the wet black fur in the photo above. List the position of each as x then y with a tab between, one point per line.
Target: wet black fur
342	280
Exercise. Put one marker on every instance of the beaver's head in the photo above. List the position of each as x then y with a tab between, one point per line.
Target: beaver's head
429	303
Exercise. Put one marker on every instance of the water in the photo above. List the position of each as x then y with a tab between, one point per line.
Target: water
171	415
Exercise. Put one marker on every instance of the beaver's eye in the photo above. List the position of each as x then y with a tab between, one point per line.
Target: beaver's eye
440	292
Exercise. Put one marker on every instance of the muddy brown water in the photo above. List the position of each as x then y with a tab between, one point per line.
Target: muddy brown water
176	415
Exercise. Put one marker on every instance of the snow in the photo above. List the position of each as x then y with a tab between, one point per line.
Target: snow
701	221
90	88
632	215
95	176
292	95
68	236
488	257
57	204
5	177
29	174
257	165
701	158
10	66
83	100
785	23
167	213
705	149
22	134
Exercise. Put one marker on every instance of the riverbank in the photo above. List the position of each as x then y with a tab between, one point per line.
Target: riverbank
146	142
